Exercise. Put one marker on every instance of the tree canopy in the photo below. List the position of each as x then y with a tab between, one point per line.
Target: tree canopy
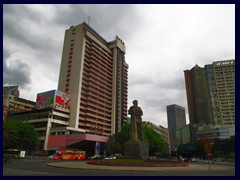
19	135
116	141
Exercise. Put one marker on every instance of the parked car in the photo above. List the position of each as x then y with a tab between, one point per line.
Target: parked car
193	159
110	157
51	156
118	155
96	157
181	158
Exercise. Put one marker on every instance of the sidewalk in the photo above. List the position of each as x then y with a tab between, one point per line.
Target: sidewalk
84	165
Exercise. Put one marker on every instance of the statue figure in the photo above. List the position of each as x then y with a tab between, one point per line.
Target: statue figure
136	120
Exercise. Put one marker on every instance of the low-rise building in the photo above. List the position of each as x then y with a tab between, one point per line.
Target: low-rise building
183	135
214	134
163	133
51	121
13	103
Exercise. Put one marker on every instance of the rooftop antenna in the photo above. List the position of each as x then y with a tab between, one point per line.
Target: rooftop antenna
88	20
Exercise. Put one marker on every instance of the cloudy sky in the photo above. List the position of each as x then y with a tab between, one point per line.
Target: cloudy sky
161	42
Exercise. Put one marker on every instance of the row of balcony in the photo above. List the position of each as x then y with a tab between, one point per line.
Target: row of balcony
99	96
96	89
86	100
86	95
106	62
92	120
99	82
99	51
97	73
102	113
94	106
88	74
90	50
96	111
92	58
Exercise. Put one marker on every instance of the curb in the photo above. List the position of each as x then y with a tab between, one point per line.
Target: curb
84	165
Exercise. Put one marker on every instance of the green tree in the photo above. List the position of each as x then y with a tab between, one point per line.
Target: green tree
19	135
225	147
155	141
116	141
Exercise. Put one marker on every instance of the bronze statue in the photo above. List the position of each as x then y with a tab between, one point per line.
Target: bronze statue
136	120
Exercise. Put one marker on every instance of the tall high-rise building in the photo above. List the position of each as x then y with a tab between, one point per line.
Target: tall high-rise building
198	96
211	94
176	119
95	74
221	83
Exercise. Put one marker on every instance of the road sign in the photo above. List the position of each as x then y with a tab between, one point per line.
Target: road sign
190	148
99	147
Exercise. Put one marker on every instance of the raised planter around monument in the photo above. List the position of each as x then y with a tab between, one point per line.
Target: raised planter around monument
135	148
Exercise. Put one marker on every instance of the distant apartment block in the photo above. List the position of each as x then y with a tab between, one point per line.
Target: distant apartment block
222	89
211	94
199	107
176	119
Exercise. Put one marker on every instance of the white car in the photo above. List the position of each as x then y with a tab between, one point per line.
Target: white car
96	157
51	156
110	157
193	159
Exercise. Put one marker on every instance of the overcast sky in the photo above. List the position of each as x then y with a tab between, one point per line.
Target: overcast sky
161	42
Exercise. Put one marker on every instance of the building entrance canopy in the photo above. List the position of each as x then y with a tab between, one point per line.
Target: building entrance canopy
56	141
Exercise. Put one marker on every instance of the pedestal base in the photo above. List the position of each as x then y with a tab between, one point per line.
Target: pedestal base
136	149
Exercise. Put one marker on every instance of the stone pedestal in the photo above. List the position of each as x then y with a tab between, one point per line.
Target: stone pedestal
144	151
136	149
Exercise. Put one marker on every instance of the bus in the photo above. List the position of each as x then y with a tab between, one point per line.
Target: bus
13	153
69	155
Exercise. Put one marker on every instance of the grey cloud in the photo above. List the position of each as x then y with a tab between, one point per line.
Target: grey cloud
17	75
22	36
30	30
155	96
108	20
16	28
20	11
156	76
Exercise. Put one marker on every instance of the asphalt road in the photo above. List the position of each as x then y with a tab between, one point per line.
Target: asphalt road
37	167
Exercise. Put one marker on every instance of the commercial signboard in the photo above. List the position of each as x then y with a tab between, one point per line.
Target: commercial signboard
45	99
53	97
62	99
